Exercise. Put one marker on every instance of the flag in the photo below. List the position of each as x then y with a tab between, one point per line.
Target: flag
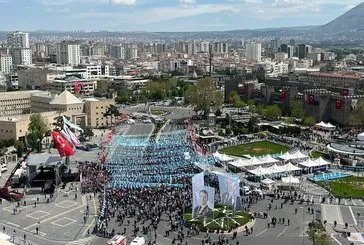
71	136
311	99
71	125
63	147
345	92
338	104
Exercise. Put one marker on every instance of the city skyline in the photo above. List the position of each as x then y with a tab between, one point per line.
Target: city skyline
171	16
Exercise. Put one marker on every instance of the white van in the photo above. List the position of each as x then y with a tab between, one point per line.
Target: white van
147	121
4	167
138	241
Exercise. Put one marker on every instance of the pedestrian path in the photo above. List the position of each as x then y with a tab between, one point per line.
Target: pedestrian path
83	241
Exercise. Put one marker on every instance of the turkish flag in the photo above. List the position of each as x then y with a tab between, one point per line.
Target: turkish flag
77	86
63	147
243	90
345	92
338	104
283	95
311	99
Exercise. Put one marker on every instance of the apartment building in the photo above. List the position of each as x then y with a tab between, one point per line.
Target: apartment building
15	103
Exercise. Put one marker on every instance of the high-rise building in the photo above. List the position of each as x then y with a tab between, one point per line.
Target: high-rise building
18	40
6	61
68	54
22	56
254	52
284	48
117	52
290	51
132	52
302	52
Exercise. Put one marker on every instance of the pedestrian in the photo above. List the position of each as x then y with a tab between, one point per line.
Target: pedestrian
288	222
251	230
37	230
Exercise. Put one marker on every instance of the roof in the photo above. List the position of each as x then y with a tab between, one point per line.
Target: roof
43	160
65	98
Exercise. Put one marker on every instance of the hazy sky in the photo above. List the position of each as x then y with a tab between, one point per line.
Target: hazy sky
166	15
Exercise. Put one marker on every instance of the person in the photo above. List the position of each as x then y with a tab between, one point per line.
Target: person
228	196
203	209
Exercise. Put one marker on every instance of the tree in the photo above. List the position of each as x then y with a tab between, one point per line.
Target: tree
86	134
102	86
309	121
297	109
37	129
317	234
19	146
112	111
204	94
272	112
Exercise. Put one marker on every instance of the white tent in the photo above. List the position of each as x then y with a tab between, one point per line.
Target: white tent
314	163
290	180
323	125
274	169
267	181
222	157
293	156
360	136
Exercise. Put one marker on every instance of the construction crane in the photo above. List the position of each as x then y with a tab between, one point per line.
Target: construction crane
14	196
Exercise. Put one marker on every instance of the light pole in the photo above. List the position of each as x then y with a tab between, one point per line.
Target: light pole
303	225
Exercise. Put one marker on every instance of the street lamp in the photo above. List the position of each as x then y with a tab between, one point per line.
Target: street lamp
303	225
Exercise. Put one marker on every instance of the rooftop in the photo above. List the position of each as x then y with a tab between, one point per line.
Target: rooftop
65	98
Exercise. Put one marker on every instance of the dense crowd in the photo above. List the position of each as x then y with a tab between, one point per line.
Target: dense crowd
93	176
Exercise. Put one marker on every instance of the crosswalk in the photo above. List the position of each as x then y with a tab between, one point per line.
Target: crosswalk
82	241
334	201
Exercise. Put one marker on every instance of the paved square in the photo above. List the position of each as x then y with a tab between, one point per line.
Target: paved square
63	222
38	214
66	204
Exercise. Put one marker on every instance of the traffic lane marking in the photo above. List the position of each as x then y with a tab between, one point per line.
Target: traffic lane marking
261	232
282	231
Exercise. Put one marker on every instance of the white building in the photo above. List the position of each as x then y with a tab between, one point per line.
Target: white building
132	53
254	52
6	62
68	53
22	56
280	56
18	40
117	52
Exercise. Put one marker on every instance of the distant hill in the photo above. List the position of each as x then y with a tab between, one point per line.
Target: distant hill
350	23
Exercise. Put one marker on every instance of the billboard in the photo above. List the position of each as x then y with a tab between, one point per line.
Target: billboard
203	201
229	190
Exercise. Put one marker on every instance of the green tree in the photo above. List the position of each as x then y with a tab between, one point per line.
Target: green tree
297	109
317	234
86	134
37	129
112	111
19	146
309	121
272	112
102	86
204	94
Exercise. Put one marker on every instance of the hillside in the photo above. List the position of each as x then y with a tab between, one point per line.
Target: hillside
350	23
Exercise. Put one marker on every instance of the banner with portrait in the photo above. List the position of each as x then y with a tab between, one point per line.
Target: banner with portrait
203	198
229	190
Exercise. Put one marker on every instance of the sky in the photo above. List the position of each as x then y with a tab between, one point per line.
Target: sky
166	15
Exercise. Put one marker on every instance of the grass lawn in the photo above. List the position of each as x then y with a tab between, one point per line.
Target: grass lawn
317	154
346	187
223	219
255	149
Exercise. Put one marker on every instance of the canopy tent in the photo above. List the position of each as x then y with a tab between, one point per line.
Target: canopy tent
290	180
293	156
360	136
267	181
314	163
327	126
254	161
222	157
274	169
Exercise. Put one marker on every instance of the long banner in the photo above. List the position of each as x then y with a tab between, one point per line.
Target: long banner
229	191
203	201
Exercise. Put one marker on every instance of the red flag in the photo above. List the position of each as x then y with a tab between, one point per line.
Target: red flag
311	99
338	104
63	147
345	92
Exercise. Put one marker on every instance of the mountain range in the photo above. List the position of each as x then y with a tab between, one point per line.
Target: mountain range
346	29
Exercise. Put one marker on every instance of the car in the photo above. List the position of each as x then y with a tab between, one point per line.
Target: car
147	121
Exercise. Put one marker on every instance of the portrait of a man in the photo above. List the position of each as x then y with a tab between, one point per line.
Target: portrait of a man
228	197
203	209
